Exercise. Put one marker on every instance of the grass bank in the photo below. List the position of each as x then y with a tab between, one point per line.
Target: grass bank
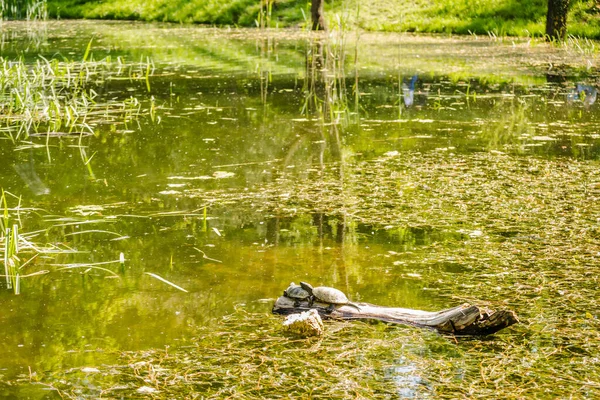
500	17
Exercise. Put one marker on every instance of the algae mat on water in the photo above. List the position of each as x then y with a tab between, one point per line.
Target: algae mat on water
237	191
250	357
529	230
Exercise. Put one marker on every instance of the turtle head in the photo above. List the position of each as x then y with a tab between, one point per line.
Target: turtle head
307	286
285	292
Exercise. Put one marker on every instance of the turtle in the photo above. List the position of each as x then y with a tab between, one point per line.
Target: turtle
296	293
325	294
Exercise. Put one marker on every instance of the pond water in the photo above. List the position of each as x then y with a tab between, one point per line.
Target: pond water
410	171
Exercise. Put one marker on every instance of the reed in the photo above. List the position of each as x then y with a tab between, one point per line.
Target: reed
56	98
30	10
9	225
263	19
160	278
18	248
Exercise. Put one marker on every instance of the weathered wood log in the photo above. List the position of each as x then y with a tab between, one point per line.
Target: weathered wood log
465	319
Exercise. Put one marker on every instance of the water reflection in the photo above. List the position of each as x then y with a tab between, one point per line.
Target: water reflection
585	93
408	90
256	176
407	380
30	177
29	37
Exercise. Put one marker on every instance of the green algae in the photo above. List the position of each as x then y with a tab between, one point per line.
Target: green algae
484	190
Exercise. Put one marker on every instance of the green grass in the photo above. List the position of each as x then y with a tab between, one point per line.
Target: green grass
234	12
502	17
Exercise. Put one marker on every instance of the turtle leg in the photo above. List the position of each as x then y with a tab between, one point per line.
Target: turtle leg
330	308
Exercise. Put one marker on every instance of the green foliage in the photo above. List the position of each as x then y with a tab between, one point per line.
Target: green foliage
234	12
503	17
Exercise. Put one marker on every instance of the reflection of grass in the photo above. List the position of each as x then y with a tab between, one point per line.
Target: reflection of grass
510	129
537	254
515	60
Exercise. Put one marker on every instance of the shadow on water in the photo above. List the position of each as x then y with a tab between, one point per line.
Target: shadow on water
261	158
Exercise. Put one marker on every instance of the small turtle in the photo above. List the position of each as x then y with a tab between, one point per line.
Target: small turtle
296	293
324	294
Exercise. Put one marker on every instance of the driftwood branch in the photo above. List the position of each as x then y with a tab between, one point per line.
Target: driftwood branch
465	319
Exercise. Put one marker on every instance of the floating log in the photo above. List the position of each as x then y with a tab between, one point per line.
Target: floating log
465	319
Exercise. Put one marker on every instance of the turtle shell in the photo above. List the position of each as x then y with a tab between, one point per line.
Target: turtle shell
296	292
330	295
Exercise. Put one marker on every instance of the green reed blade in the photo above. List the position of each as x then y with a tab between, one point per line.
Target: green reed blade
166	281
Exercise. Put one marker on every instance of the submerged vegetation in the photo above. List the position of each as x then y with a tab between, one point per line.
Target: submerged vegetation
387	361
409	172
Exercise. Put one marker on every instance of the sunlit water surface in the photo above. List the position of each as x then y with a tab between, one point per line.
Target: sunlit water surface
248	176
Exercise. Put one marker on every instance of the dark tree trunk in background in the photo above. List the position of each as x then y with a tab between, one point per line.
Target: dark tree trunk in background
318	18
556	19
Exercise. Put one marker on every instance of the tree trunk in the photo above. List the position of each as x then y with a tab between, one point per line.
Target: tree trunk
462	320
318	17
556	19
